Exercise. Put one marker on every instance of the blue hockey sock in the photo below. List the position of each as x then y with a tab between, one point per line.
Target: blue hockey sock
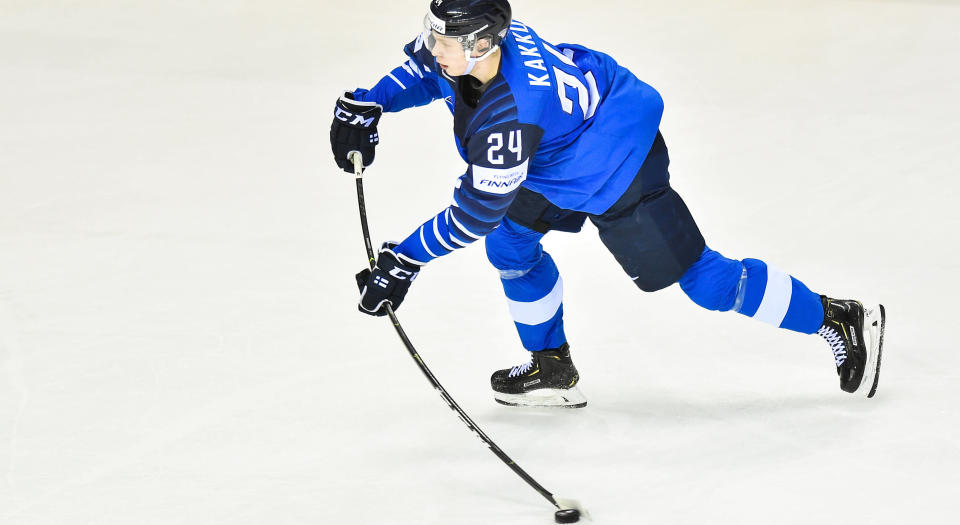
754	289
776	298
536	305
531	283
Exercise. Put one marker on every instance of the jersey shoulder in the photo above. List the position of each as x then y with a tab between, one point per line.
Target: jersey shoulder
539	75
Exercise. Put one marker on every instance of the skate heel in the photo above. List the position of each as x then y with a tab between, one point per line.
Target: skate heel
874	324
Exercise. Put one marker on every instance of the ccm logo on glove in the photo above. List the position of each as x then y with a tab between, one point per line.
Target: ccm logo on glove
353	119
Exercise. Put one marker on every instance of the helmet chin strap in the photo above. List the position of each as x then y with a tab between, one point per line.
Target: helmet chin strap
472	61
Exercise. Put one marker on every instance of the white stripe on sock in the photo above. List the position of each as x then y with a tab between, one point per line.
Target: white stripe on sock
539	311
776	297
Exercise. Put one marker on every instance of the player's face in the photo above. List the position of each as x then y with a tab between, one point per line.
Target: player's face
449	55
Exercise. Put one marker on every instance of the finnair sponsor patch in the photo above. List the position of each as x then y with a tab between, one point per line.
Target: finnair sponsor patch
499	180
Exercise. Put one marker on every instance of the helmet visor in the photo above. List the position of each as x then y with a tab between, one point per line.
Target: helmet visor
433	36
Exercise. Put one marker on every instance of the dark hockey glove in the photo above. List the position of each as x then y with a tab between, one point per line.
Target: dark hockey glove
354	128
387	283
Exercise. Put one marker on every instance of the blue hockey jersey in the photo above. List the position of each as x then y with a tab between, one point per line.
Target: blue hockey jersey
564	121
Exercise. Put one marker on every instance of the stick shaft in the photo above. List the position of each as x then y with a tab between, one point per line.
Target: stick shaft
358	171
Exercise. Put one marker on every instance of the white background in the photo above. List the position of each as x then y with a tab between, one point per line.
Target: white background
179	341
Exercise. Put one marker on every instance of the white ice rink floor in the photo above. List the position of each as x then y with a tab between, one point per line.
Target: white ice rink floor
179	341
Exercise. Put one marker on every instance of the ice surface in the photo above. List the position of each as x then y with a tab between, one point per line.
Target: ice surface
178	336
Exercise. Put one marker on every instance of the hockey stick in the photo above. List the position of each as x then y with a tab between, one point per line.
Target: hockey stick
569	510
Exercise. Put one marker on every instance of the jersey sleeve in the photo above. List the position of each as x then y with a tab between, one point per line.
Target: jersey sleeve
498	158
412	83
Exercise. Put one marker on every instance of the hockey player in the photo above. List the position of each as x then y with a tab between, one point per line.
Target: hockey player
553	135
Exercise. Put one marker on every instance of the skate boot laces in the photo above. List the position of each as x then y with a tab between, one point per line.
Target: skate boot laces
836	343
521	369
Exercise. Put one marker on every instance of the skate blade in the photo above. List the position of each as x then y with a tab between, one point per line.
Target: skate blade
544	397
875	322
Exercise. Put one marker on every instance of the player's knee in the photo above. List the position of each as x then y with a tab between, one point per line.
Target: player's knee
654	238
511	252
510	263
498	252
712	281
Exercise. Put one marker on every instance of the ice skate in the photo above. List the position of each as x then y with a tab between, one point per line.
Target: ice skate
855	335
549	379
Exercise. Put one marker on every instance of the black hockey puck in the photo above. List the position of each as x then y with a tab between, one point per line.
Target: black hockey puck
566	516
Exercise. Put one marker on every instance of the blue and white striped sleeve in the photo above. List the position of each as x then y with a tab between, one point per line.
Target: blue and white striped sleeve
413	83
499	158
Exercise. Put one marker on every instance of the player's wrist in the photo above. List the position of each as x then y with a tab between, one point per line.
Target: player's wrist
393	252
